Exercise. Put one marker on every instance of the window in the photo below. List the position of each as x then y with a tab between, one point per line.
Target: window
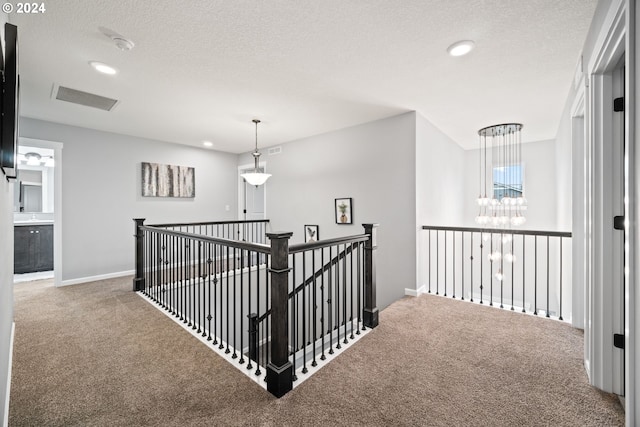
508	181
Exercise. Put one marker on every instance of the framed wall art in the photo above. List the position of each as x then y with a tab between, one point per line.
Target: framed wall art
160	180
343	211
311	233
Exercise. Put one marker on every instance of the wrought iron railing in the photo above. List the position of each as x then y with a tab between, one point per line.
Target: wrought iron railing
274	309
521	270
245	230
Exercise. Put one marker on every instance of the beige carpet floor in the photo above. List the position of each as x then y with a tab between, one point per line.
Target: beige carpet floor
98	355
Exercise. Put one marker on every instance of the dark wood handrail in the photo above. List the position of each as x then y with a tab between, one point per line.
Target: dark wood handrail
301	247
500	231
184	224
257	247
315	275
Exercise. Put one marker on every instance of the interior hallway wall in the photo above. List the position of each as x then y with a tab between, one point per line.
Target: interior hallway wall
372	163
101	182
6	276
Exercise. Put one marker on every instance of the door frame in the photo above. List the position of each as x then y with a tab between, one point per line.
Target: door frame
57	201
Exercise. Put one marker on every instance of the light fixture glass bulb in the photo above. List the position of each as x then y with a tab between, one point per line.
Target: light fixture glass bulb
256	178
33	159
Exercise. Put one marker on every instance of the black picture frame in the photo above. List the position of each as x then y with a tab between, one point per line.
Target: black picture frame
344	211
311	233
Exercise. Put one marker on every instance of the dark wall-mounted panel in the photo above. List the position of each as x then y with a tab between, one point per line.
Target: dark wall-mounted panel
10	103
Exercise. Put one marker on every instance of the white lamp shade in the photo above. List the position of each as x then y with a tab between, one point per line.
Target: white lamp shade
255	178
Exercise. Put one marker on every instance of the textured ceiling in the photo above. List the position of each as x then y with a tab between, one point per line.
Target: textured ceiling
201	70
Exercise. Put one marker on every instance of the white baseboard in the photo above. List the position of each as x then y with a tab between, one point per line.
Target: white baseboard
5	421
415	292
98	277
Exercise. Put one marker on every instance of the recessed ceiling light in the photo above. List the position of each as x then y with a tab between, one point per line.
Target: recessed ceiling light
207	143
103	68
461	48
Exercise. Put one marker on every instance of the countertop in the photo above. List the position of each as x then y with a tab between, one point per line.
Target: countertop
33	222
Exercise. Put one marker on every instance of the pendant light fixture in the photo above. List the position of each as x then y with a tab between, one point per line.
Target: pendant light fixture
256	177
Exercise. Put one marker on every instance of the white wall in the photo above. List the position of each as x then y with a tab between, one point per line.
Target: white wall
564	173
440	186
101	193
540	186
374	164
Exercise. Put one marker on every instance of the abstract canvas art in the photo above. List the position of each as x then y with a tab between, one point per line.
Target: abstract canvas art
160	180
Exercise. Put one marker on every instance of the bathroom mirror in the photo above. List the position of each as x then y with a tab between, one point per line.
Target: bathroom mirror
34	181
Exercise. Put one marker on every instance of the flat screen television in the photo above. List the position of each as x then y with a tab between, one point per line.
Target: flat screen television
10	103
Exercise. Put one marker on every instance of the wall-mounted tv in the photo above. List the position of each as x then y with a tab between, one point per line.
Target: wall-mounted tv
10	103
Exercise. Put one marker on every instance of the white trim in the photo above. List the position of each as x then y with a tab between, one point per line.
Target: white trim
609	49
632	298
416	292
96	278
5	422
250	373
579	201
610	41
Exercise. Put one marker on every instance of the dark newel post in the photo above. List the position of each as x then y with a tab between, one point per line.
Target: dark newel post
370	314
138	279
279	370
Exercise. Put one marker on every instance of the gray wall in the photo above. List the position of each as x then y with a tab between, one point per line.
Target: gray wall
101	193
6	285
440	186
6	276
373	163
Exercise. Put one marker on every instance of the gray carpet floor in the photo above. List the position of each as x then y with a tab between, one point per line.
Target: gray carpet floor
99	355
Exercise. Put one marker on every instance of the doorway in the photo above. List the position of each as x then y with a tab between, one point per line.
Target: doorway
38	211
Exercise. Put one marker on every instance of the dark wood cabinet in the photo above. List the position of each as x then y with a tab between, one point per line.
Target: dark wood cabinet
33	248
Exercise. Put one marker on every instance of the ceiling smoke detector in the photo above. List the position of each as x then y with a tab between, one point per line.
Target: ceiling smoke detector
121	41
123	44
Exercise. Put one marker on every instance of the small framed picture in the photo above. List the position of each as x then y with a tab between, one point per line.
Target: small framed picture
343	211
311	233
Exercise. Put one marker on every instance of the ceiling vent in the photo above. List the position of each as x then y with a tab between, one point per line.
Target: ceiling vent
274	150
87	99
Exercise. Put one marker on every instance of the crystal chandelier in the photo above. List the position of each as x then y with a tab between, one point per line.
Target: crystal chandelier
503	208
